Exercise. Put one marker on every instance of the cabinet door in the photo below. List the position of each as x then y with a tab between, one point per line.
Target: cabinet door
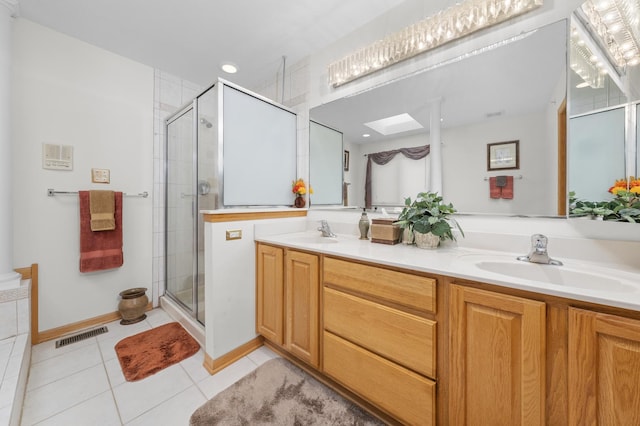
604	369
497	359
301	306
270	293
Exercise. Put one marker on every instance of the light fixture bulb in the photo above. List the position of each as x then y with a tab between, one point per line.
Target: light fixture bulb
615	28
366	135
229	68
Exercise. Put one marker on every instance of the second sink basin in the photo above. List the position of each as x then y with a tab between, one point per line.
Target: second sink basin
587	278
559	275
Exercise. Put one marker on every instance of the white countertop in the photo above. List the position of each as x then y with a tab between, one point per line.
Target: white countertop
250	210
598	283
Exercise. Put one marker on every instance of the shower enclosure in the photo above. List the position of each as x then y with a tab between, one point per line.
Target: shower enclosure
220	152
190	167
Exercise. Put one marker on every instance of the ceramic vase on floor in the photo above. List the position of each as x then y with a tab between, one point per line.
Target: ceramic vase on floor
133	305
426	241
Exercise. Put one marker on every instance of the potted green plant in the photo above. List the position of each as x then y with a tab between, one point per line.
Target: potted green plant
623	207
429	218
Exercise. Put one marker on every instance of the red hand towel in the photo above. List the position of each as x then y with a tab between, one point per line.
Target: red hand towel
494	190
507	191
99	250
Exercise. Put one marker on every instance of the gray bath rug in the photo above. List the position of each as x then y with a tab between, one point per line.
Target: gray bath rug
279	393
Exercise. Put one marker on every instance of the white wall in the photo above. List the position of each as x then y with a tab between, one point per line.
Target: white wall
230	280
69	92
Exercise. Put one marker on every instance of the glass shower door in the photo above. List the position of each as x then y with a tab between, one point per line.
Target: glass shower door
181	211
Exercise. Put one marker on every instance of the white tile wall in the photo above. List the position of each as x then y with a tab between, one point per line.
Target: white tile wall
170	93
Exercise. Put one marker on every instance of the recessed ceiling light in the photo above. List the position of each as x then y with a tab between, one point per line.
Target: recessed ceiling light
366	135
581	85
229	68
396	124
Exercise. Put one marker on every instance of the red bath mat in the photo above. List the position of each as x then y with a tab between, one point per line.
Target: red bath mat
146	353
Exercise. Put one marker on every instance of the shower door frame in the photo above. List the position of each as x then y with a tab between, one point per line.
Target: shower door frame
190	107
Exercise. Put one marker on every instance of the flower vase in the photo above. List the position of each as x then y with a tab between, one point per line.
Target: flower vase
407	236
426	241
299	202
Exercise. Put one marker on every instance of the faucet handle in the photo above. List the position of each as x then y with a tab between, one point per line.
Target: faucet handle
539	241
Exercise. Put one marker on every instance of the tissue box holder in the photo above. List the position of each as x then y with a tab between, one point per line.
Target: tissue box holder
383	231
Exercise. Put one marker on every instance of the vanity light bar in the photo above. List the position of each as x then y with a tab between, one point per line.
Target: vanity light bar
445	26
617	23
584	62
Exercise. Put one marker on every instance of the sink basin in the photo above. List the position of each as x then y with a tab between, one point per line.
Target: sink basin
314	240
575	276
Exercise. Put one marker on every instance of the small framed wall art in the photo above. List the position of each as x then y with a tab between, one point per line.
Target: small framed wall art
346	160
503	155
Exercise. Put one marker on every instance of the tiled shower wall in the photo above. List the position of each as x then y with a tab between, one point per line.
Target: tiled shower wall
171	93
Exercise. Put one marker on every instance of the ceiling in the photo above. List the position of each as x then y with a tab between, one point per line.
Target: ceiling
192	38
471	90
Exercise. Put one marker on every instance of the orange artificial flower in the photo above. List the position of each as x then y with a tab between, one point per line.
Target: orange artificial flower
298	187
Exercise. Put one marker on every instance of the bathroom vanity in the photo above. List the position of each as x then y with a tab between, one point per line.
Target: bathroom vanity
429	337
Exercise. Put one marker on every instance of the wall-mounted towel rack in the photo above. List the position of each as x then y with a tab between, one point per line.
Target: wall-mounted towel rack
515	177
52	192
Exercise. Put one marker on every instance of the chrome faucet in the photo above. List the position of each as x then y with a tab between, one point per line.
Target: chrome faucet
538	253
325	229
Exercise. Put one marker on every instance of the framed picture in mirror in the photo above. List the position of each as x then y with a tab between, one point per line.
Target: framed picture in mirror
346	160
503	155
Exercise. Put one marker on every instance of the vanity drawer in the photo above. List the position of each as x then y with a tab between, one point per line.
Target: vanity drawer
401	288
404	338
402	393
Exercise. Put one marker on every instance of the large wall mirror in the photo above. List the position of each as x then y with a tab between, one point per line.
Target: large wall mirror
603	120
577	128
325	169
513	91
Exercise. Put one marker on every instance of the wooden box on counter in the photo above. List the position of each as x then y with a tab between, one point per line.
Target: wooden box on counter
384	231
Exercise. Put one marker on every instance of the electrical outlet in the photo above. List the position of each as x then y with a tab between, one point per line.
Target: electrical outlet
234	234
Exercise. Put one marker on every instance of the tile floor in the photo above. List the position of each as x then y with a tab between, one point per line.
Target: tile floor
82	383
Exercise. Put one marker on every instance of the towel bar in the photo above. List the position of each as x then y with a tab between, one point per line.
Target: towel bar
515	177
52	192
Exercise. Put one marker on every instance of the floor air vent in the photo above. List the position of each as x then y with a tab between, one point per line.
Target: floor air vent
82	336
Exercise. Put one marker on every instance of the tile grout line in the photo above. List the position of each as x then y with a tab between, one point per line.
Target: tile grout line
71	406
27	389
113	396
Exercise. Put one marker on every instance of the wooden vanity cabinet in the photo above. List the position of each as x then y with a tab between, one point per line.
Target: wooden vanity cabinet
287	300
507	356
603	369
379	337
302	293
270	293
496	358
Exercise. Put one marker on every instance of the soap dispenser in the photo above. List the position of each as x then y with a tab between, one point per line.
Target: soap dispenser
364	225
